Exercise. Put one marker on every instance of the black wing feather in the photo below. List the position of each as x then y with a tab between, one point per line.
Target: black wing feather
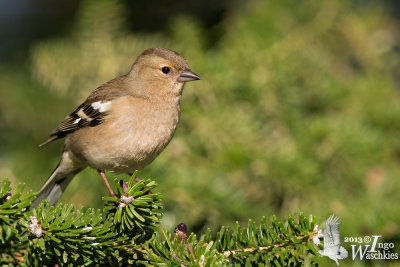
85	115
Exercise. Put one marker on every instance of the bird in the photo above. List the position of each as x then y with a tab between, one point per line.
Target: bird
332	248
124	124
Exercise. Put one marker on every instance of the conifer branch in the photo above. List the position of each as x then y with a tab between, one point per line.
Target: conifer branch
125	233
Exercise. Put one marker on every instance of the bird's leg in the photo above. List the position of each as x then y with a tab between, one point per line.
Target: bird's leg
103	176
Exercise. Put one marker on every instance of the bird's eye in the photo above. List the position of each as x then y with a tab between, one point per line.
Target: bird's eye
165	70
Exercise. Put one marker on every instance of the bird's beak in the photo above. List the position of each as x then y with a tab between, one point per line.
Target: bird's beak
188	76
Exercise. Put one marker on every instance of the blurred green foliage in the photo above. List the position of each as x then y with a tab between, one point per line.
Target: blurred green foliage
298	109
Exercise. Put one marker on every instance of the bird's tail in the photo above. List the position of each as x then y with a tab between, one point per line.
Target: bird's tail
343	253
58	181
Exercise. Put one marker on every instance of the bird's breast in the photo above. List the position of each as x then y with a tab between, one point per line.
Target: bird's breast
131	137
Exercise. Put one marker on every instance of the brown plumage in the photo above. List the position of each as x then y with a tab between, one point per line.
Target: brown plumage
124	124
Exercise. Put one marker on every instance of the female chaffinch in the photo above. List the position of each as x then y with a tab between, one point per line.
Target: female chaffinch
124	124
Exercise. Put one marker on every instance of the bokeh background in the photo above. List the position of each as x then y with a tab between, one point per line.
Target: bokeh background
298	108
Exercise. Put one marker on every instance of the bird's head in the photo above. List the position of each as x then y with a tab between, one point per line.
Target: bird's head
161	72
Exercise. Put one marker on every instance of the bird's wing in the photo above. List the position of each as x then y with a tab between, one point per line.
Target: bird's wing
331	232
89	114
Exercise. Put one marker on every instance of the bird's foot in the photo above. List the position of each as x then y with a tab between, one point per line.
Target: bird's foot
103	176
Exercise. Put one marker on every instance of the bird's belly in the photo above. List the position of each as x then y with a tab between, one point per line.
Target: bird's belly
130	157
126	149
